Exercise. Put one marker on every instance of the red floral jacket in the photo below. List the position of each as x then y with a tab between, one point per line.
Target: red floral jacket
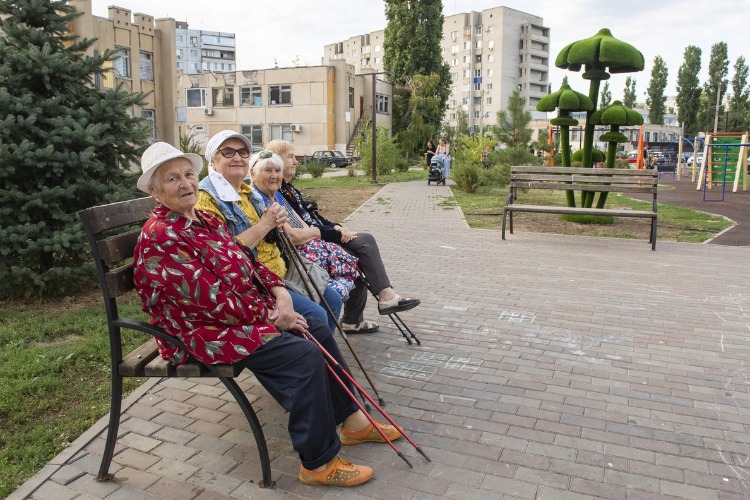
200	286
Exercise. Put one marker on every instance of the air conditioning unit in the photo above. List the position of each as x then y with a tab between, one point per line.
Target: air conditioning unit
295	127
208	111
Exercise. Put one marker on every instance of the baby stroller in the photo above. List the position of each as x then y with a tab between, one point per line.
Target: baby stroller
436	170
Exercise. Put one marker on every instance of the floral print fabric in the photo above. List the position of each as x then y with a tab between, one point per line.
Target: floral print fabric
201	287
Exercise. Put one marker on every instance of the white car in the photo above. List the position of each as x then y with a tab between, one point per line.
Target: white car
698	157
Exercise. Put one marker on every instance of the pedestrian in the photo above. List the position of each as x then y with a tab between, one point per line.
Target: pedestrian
485	154
429	152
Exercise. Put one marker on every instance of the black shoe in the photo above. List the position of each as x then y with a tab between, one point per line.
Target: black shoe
401	304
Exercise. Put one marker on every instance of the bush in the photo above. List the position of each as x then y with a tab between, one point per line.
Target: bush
402	165
388	155
315	168
497	176
467	177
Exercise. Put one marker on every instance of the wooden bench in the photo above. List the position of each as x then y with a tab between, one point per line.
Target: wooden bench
112	232
612	180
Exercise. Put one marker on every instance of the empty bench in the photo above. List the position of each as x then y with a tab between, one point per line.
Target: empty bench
112	231
611	180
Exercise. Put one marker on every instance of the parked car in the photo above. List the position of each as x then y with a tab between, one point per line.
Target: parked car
698	159
331	158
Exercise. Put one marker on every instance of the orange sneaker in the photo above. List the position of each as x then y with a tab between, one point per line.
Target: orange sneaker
337	473
369	434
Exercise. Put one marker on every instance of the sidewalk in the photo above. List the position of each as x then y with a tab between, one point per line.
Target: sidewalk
550	367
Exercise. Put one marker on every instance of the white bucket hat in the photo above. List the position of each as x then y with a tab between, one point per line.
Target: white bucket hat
218	139
161	152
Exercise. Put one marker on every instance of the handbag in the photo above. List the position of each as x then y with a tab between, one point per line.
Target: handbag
295	282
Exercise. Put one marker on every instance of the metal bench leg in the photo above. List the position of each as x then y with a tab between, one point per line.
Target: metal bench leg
505	212
653	233
252	419
114	425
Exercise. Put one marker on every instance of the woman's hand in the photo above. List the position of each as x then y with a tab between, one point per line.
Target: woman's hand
346	235
274	217
283	316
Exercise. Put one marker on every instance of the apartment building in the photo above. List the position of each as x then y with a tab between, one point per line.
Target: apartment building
490	53
145	63
199	51
315	107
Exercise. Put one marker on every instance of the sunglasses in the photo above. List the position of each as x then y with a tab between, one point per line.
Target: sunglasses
230	152
262	155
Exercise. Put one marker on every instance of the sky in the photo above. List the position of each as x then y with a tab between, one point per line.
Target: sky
270	32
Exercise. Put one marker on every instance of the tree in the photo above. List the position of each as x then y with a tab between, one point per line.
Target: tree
688	90
656	100
629	95
423	111
718	68
606	97
63	146
739	107
462	122
412	47
512	123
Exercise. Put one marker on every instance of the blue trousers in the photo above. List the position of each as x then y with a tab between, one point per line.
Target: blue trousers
293	371
310	309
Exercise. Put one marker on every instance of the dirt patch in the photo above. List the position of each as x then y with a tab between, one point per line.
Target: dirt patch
336	204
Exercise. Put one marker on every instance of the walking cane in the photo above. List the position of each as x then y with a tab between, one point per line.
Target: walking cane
296	259
332	362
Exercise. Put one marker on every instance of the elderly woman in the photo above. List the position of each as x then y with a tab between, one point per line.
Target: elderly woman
266	170
203	287
360	244
224	194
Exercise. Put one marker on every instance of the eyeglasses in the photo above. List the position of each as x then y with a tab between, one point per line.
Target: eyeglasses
265	154
230	152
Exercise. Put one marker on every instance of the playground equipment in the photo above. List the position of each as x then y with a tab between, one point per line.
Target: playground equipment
724	159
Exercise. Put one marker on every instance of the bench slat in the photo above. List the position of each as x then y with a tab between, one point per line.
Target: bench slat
604	179
134	363
120	281
106	217
623	172
582	187
118	247
580	211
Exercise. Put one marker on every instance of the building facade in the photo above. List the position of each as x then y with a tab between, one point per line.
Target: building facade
315	107
201	51
490	53
145	63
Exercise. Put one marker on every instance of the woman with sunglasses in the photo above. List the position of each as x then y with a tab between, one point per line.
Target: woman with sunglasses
225	194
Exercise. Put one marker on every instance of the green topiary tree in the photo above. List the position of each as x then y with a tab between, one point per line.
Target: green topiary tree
596	55
64	146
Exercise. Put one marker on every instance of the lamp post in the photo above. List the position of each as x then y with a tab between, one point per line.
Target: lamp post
374	179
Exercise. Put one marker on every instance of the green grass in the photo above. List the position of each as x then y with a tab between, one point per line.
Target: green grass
360	180
54	381
675	223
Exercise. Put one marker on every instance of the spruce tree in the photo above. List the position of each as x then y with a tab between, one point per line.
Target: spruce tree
656	100
64	146
688	90
512	126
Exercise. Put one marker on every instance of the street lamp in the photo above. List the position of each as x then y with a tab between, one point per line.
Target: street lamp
374	129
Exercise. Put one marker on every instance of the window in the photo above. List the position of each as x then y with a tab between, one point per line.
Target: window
454	49
453	104
490	44
146	63
477	115
466	73
477	101
487	86
382	103
490	72
454	76
467	45
479	44
194	41
465	87
453	117
454	61
194	67
253	132
488	29
454	35
477	86
282	131
488	101
193	53
477	73
122	63
377	48
464	101
223	96
150	117
466	59
454	89
491	58
179	38
196	98
251	96
478	29
280	94
478	58
180	53
351	97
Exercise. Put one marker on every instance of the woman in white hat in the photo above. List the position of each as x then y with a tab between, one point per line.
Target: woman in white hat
201	286
225	194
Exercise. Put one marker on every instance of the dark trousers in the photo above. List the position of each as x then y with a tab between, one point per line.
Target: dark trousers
293	371
365	248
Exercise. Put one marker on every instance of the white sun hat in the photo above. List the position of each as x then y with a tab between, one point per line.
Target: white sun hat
217	140
161	152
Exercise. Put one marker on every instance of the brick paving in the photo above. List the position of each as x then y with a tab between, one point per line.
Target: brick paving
551	366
